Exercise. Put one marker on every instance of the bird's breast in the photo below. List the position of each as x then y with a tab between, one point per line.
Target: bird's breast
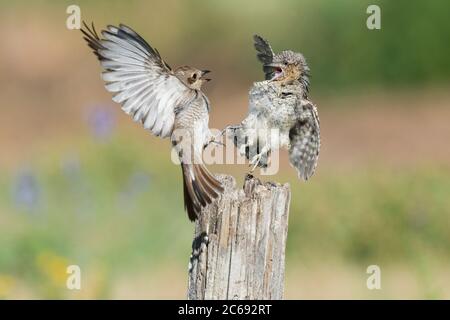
192	124
276	109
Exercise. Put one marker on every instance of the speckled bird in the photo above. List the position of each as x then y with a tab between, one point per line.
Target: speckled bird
280	102
167	102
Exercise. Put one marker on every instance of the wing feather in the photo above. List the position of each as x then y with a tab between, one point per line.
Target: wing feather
305	141
265	53
141	81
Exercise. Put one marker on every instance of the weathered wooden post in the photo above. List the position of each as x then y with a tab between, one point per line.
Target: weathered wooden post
239	244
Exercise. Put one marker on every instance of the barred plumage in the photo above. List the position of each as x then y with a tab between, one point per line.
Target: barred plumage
305	141
281	102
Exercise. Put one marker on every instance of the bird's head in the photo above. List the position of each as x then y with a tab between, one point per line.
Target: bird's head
192	77
288	66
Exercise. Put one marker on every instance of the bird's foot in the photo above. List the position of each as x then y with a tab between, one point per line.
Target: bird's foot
220	143
229	127
215	140
254	162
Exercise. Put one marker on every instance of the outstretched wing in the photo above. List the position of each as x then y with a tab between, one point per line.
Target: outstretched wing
265	55
265	52
305	140
139	78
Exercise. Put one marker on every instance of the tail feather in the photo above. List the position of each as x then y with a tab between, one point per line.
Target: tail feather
210	179
198	193
208	191
200	188
189	205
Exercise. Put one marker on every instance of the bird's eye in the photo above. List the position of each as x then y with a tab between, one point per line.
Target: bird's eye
194	76
285	63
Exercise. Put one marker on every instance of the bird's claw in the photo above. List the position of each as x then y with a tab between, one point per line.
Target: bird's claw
215	139
220	143
229	128
255	161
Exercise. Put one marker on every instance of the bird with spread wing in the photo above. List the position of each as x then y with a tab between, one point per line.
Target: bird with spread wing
280	105
167	102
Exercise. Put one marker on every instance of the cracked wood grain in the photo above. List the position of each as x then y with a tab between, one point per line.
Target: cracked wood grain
239	243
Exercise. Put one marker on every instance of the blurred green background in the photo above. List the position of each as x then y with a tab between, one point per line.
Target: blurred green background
80	183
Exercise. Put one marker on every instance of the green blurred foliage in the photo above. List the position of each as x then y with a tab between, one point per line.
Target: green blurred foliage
375	215
410	49
359	217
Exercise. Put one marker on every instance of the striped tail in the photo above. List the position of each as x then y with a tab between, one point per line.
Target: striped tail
199	187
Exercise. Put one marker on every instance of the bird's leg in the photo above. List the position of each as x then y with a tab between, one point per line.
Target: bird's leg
229	127
257	158
255	161
214	139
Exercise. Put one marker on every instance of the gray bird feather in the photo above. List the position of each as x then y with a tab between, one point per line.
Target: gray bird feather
139	78
162	100
286	110
305	140
281	103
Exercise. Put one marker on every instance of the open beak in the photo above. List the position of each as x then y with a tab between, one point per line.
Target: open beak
277	71
205	72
